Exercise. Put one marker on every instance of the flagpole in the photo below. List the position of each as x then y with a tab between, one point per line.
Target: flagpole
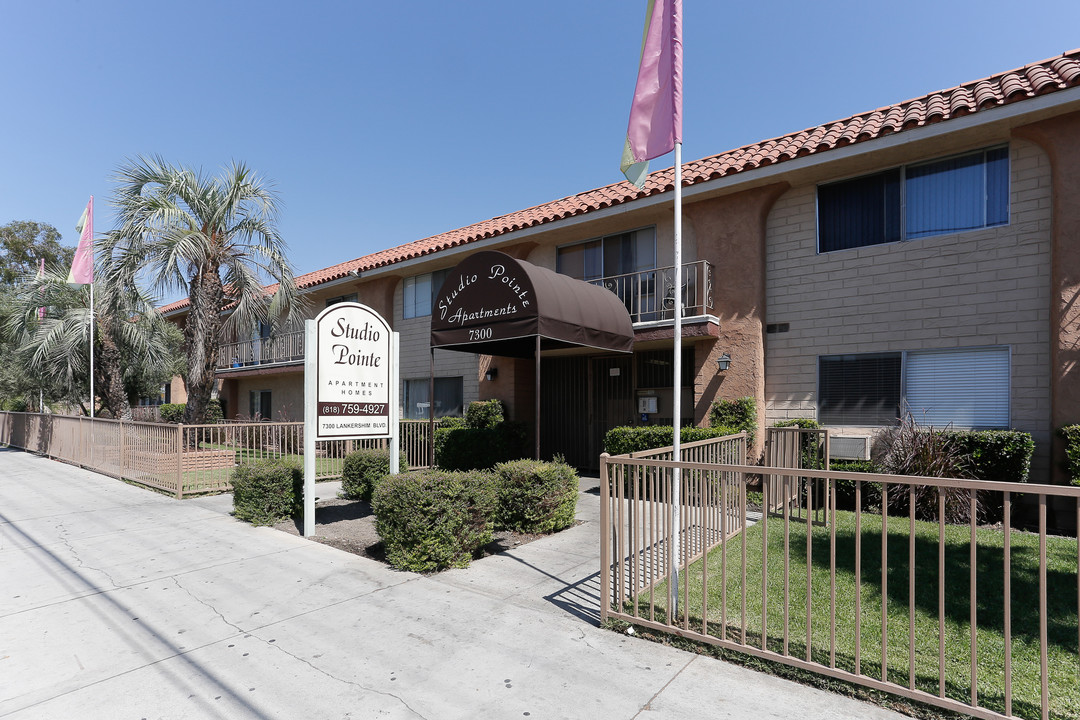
676	404
91	349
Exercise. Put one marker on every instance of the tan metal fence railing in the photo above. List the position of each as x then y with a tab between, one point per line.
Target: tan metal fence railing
186	459
797	448
959	595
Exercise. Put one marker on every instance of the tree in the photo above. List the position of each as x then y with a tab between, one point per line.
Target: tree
214	237
132	339
24	243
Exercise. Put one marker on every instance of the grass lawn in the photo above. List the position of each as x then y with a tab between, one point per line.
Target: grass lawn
196	480
1064	663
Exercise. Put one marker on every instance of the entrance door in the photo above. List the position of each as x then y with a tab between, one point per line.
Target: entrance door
612	399
564	410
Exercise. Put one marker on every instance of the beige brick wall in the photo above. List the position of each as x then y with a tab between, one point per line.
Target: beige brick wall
415	342
977	288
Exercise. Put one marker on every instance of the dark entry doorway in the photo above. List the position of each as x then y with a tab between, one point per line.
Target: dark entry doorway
612	399
581	399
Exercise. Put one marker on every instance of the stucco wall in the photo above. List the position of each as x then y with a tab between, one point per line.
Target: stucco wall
976	288
286	396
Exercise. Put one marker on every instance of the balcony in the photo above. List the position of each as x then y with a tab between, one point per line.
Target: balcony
282	349
649	295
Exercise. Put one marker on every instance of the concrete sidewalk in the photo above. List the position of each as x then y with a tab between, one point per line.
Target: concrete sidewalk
116	602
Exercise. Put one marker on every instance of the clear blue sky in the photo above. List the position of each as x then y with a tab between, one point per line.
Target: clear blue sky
385	122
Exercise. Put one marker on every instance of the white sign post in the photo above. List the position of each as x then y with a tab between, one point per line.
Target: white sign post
350	386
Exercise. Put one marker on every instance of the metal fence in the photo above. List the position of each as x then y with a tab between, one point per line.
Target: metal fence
186	460
979	615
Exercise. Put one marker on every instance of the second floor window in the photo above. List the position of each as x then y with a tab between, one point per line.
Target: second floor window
419	291
950	195
609	256
351	297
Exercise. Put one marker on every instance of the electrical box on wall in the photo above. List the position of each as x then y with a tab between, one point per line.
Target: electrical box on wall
646	404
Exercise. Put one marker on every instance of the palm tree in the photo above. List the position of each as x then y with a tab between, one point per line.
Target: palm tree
217	239
132	340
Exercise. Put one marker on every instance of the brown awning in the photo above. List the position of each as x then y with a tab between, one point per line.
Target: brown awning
496	305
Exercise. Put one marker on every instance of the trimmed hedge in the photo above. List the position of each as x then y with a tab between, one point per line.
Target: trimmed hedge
174	412
363	469
484	414
994	455
267	491
1071	434
740	414
460	448
433	519
804	423
536	497
627	439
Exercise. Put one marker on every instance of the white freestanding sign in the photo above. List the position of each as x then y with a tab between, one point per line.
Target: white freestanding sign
350	385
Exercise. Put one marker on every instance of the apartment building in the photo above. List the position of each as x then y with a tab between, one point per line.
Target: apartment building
922	256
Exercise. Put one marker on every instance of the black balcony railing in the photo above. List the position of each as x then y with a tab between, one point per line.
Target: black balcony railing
649	295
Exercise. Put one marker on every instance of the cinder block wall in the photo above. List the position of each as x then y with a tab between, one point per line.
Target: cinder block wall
415	341
977	288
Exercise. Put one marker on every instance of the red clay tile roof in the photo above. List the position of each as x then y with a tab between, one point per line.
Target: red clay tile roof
1047	76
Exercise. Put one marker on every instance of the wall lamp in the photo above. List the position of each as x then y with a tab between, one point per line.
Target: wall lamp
491	374
723	362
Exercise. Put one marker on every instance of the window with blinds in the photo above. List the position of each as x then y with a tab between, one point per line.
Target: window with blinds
964	388
859	389
954	194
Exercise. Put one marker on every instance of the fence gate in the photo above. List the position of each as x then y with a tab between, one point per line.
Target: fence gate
800	449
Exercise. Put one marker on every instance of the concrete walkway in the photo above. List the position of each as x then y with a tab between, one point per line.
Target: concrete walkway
116	602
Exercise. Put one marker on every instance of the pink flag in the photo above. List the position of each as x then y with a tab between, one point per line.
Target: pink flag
656	113
82	267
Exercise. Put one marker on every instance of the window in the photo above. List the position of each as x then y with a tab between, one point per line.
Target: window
449	398
951	195
859	389
420	291
609	256
968	388
965	388
351	297
656	368
259	404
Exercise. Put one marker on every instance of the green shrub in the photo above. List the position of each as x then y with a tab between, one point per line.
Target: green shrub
804	423
451	421
994	455
481	448
484	414
433	519
363	469
536	497
267	491
1071	433
172	412
626	439
845	489
740	414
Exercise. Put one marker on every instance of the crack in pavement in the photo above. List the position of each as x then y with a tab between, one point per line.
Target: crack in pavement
648	706
330	675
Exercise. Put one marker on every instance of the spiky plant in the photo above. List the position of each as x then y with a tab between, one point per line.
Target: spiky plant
923	450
